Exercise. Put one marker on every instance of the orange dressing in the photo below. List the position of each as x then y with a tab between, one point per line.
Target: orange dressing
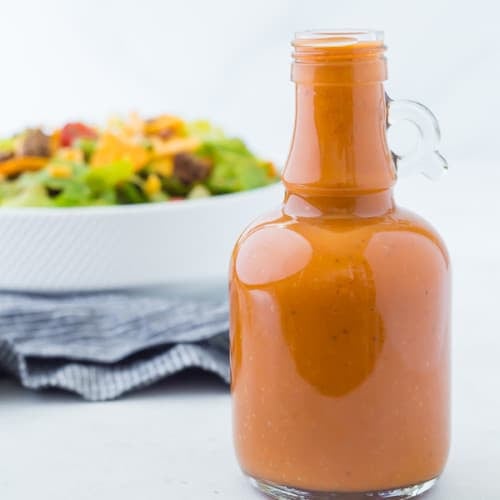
340	301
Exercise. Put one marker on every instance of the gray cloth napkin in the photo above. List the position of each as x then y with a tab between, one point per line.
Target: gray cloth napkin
103	345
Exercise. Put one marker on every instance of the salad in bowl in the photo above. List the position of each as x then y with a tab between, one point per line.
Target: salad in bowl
86	208
128	161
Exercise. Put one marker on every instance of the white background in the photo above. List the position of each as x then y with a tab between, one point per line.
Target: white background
229	60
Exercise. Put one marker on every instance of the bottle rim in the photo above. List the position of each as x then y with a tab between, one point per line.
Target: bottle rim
336	37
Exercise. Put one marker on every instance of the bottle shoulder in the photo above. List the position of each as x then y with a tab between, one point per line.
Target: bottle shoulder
279	245
418	224
399	220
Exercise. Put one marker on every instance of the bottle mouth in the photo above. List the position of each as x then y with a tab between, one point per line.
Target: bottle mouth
337	37
339	57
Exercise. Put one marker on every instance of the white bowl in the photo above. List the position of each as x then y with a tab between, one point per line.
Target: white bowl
185	244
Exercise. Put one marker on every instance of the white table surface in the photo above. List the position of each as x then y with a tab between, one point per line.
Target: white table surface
173	441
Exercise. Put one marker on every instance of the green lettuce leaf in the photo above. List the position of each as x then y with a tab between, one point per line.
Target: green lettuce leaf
204	131
87	146
34	195
109	175
130	192
7	145
198	191
235	168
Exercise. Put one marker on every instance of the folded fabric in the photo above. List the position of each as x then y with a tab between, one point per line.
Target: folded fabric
104	344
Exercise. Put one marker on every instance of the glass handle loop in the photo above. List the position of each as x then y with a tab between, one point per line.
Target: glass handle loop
424	157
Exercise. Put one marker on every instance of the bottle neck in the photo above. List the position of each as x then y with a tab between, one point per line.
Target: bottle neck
339	145
376	204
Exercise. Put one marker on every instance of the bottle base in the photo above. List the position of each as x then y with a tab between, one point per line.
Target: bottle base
277	491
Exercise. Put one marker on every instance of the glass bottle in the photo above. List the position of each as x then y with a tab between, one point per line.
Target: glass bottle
340	299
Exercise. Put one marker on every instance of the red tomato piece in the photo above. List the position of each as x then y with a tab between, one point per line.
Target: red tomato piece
72	131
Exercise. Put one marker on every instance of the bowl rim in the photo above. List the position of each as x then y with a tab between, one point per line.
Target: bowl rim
139	207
